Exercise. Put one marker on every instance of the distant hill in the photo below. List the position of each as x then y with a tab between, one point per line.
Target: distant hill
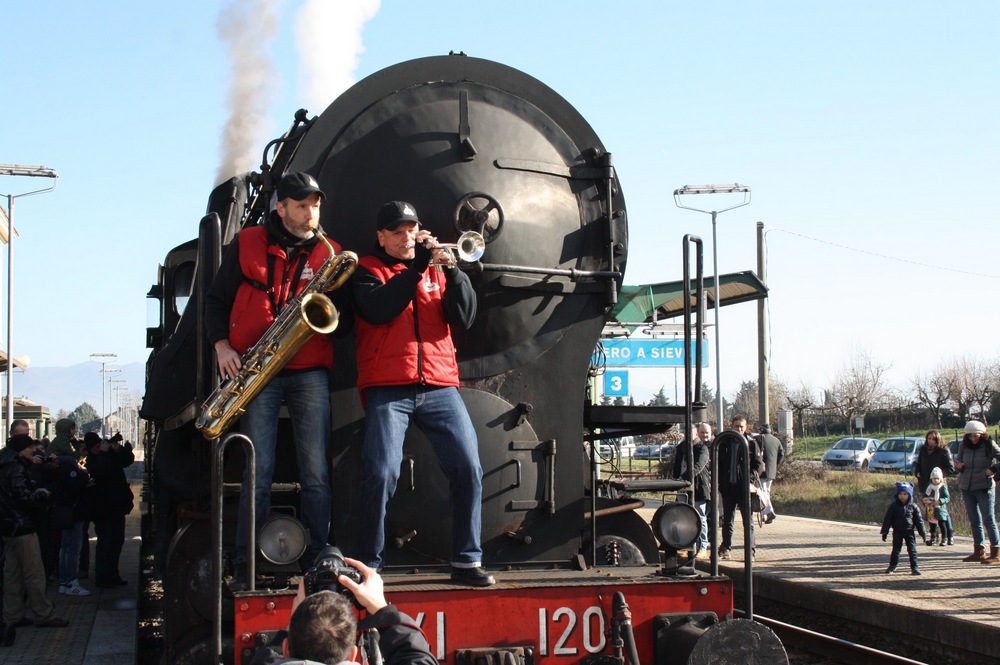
65	388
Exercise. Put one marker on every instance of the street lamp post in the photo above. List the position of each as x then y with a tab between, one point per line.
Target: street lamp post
735	188
114	393
105	359
31	172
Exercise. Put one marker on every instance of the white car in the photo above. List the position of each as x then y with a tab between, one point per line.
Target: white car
620	447
853	453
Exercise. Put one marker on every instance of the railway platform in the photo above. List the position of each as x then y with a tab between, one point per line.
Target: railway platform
103	626
841	567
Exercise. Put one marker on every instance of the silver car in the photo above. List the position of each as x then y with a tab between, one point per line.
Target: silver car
897	455
853	453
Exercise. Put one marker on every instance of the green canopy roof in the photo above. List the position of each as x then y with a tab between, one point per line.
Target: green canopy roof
636	304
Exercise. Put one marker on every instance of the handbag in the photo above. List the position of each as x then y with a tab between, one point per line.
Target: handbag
760	498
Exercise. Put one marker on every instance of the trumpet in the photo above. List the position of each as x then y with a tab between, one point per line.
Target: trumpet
470	248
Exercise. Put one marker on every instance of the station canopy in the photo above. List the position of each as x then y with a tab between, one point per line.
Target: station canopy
665	300
3	362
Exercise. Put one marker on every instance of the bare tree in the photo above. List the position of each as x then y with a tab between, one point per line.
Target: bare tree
860	387
799	401
936	390
975	380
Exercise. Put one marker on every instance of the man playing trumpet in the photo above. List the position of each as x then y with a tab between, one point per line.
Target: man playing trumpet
408	372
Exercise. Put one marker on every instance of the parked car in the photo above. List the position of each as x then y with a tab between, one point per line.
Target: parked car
653	451
851	453
897	455
618	447
953	447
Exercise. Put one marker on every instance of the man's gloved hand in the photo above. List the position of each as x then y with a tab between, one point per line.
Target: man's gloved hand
422	257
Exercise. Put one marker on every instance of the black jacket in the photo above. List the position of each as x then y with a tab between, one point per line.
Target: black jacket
701	458
111	495
731	465
400	641
19	495
926	461
905	517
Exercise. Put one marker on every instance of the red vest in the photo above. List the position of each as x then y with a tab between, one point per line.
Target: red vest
253	313
415	347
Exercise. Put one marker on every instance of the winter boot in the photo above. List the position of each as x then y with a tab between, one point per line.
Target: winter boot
994	556
977	554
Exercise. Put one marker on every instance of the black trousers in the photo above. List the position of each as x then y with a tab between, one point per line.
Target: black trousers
898	538
730	502
110	539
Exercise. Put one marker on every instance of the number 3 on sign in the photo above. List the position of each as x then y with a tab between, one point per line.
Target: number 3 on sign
567	634
616	383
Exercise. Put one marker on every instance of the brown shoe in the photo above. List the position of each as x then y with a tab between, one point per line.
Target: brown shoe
977	554
52	622
994	557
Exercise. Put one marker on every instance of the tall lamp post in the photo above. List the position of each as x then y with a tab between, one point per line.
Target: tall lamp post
105	359
31	172
735	188
115	394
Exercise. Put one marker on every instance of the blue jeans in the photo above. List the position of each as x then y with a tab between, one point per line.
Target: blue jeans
979	507
69	553
440	413
307	395
702	508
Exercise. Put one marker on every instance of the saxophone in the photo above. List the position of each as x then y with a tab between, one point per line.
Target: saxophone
309	312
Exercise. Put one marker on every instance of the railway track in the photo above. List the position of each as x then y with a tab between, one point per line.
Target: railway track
807	647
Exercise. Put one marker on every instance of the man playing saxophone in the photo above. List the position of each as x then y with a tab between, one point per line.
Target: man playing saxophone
263	269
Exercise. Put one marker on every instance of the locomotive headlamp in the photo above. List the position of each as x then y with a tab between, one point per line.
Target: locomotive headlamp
282	539
676	525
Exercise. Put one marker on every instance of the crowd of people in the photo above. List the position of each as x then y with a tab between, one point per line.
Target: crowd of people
765	454
50	492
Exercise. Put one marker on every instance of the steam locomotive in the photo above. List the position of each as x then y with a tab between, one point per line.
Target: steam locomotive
475	146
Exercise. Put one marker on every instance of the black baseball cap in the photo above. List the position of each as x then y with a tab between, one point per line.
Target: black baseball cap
394	213
298	186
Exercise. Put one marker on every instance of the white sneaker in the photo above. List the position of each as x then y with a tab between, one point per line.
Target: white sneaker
74	589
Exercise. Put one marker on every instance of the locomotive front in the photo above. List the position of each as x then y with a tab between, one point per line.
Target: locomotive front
477	146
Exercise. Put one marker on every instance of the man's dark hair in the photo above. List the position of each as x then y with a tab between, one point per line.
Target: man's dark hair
322	628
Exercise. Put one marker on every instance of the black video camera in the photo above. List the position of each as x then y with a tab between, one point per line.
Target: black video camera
330	565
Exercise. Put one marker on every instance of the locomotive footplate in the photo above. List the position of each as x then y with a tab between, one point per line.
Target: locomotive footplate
529	616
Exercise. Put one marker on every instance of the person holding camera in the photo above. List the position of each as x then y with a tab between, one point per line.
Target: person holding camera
111	499
24	574
323	627
408	373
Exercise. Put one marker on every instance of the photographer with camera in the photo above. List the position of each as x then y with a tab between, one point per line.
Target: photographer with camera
323	628
111	500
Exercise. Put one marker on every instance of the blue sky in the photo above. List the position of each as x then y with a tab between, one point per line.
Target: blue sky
868	132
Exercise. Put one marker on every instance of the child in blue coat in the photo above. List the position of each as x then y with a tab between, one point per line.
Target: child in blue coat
903	517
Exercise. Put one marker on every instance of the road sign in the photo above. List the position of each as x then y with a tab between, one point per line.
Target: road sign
616	383
647	353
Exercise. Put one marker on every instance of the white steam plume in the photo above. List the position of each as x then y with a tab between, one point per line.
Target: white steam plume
247	26
328	36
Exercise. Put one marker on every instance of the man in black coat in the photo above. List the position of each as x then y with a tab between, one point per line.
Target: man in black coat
732	482
700	462
111	501
24	574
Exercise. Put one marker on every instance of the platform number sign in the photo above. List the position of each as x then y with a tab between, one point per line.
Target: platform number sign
616	383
